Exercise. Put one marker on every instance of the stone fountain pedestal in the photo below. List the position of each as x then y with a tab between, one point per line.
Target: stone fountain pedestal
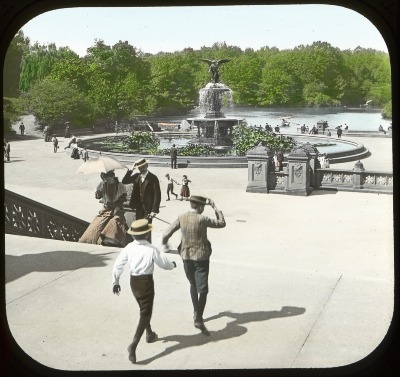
214	128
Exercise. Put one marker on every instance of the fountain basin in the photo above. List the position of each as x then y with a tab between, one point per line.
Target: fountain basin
347	151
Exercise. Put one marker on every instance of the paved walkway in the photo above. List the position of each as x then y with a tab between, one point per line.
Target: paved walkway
295	282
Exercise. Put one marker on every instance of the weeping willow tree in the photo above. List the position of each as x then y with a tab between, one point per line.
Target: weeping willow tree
37	64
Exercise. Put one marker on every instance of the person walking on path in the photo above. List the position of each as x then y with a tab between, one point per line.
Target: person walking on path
339	132
7	150
66	133
55	143
146	193
141	256
170	186
195	250
174	156
185	191
22	128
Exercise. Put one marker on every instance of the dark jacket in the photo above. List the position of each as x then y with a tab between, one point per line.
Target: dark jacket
152	192
279	156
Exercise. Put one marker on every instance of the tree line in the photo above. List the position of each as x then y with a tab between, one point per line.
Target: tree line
119	82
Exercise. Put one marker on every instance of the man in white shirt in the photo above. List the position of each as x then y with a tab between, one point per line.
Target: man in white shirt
141	256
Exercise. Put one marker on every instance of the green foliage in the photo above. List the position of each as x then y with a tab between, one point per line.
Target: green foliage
12	110
196	150
12	65
172	79
38	63
246	138
140	140
387	110
117	80
367	76
120	82
53	102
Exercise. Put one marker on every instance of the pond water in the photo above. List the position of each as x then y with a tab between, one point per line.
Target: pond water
356	119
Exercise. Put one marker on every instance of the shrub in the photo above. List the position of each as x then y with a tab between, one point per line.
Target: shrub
246	138
140	140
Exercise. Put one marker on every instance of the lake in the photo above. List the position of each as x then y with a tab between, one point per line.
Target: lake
356	119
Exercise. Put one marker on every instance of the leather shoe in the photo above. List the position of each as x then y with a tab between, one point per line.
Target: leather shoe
132	353
151	337
198	323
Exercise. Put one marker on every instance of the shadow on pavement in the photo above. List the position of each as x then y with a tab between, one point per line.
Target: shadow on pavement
325	192
12	160
52	261
232	329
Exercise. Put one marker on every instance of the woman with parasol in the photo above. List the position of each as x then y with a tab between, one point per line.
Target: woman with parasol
109	227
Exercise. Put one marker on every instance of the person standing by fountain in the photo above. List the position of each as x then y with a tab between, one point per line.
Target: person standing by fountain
185	191
339	132
174	156
195	250
279	159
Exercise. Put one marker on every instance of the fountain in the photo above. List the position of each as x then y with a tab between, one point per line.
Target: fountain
214	128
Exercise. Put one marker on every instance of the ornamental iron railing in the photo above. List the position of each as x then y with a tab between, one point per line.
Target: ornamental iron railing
27	217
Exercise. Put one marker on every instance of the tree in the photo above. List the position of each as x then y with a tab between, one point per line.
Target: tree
243	75
117	78
53	102
12	64
320	69
368	77
38	63
279	84
11	112
172	82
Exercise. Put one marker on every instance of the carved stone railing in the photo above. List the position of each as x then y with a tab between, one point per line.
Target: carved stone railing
357	179
27	217
369	181
278	180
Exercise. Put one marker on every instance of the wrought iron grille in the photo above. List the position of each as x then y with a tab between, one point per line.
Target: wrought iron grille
27	217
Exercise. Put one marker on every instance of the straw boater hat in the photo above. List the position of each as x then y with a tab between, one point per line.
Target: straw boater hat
198	199
141	226
139	163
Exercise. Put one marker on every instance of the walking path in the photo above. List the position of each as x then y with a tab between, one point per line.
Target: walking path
295	282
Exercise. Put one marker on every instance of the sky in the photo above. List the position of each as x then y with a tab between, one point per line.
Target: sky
156	29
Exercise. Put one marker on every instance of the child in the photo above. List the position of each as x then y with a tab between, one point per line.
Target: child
170	187
140	255
185	192
55	143
85	154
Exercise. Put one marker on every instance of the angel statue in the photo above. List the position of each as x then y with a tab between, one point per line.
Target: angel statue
214	66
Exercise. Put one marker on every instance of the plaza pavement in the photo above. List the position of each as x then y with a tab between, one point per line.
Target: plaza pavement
295	282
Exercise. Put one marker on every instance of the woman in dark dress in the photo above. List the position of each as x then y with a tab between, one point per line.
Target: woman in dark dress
185	191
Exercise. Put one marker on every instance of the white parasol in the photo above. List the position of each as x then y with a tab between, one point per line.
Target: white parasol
100	164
